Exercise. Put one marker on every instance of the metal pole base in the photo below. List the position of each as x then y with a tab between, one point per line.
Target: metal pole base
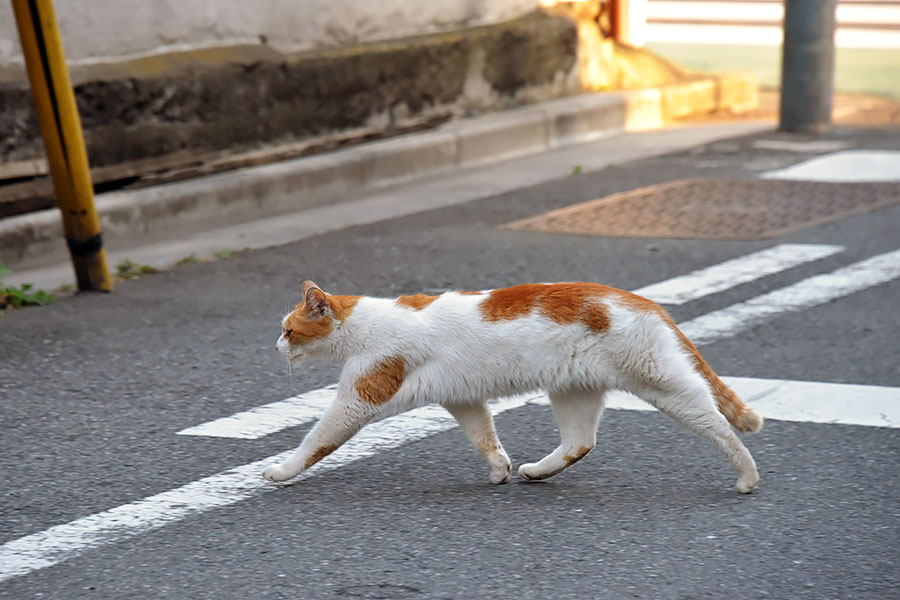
807	65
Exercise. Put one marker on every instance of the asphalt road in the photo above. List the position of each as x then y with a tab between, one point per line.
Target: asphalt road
93	389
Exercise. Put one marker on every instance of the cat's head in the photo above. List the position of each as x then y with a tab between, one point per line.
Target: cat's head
305	331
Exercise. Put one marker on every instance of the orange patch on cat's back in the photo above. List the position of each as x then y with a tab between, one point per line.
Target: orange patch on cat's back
563	303
512	302
639	303
596	317
416	302
380	384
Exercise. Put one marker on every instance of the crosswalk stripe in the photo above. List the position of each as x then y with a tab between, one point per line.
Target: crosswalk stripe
732	273
803	294
803	401
787	400
268	418
54	545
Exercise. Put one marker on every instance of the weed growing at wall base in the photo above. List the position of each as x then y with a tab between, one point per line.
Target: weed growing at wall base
23	295
128	269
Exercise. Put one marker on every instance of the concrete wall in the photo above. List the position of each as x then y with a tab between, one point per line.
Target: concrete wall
156	78
110	30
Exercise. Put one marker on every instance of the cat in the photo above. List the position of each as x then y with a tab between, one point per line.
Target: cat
576	341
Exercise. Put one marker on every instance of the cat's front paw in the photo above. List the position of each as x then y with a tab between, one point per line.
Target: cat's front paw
501	468
276	473
501	474
747	483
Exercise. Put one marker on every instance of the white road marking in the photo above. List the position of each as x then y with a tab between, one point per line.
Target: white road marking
802	401
269	418
54	545
803	294
785	400
731	273
816	402
848	165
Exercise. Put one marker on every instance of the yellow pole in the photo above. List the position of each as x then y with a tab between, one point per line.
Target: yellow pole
57	113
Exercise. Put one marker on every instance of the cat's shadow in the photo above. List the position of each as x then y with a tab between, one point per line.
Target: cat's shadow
644	495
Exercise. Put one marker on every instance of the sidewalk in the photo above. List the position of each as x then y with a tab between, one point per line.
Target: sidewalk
175	211
370	206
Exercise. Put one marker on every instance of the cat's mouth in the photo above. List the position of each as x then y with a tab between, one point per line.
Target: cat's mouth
290	354
293	357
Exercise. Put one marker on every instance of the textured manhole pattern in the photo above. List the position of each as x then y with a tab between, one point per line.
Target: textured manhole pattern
715	208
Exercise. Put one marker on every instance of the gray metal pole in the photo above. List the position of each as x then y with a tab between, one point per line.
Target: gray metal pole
807	65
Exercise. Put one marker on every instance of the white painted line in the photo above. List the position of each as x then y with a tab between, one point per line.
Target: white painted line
734	272
779	400
803	294
269	418
815	402
59	543
802	401
845	166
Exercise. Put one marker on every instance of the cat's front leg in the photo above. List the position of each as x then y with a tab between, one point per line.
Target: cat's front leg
340	422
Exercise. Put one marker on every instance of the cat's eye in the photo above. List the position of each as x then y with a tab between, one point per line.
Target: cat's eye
288	332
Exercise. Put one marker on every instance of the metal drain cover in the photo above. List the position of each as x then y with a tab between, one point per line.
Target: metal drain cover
715	209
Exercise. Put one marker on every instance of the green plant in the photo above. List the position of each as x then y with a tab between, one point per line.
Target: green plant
576	169
17	297
187	260
128	269
224	253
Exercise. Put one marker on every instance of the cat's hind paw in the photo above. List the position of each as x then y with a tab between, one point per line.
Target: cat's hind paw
276	473
531	472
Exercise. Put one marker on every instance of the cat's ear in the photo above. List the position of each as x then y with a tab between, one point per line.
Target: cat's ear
315	298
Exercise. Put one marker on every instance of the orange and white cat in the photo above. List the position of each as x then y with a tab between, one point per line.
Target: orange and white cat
576	341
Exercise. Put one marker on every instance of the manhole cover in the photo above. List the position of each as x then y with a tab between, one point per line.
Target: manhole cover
715	208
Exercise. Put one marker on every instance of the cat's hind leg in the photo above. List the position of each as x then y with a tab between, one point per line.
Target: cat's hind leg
476	421
688	400
577	415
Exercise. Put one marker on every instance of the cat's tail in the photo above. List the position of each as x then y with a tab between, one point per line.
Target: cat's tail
742	417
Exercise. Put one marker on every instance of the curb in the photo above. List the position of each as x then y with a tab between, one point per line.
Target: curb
173	210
